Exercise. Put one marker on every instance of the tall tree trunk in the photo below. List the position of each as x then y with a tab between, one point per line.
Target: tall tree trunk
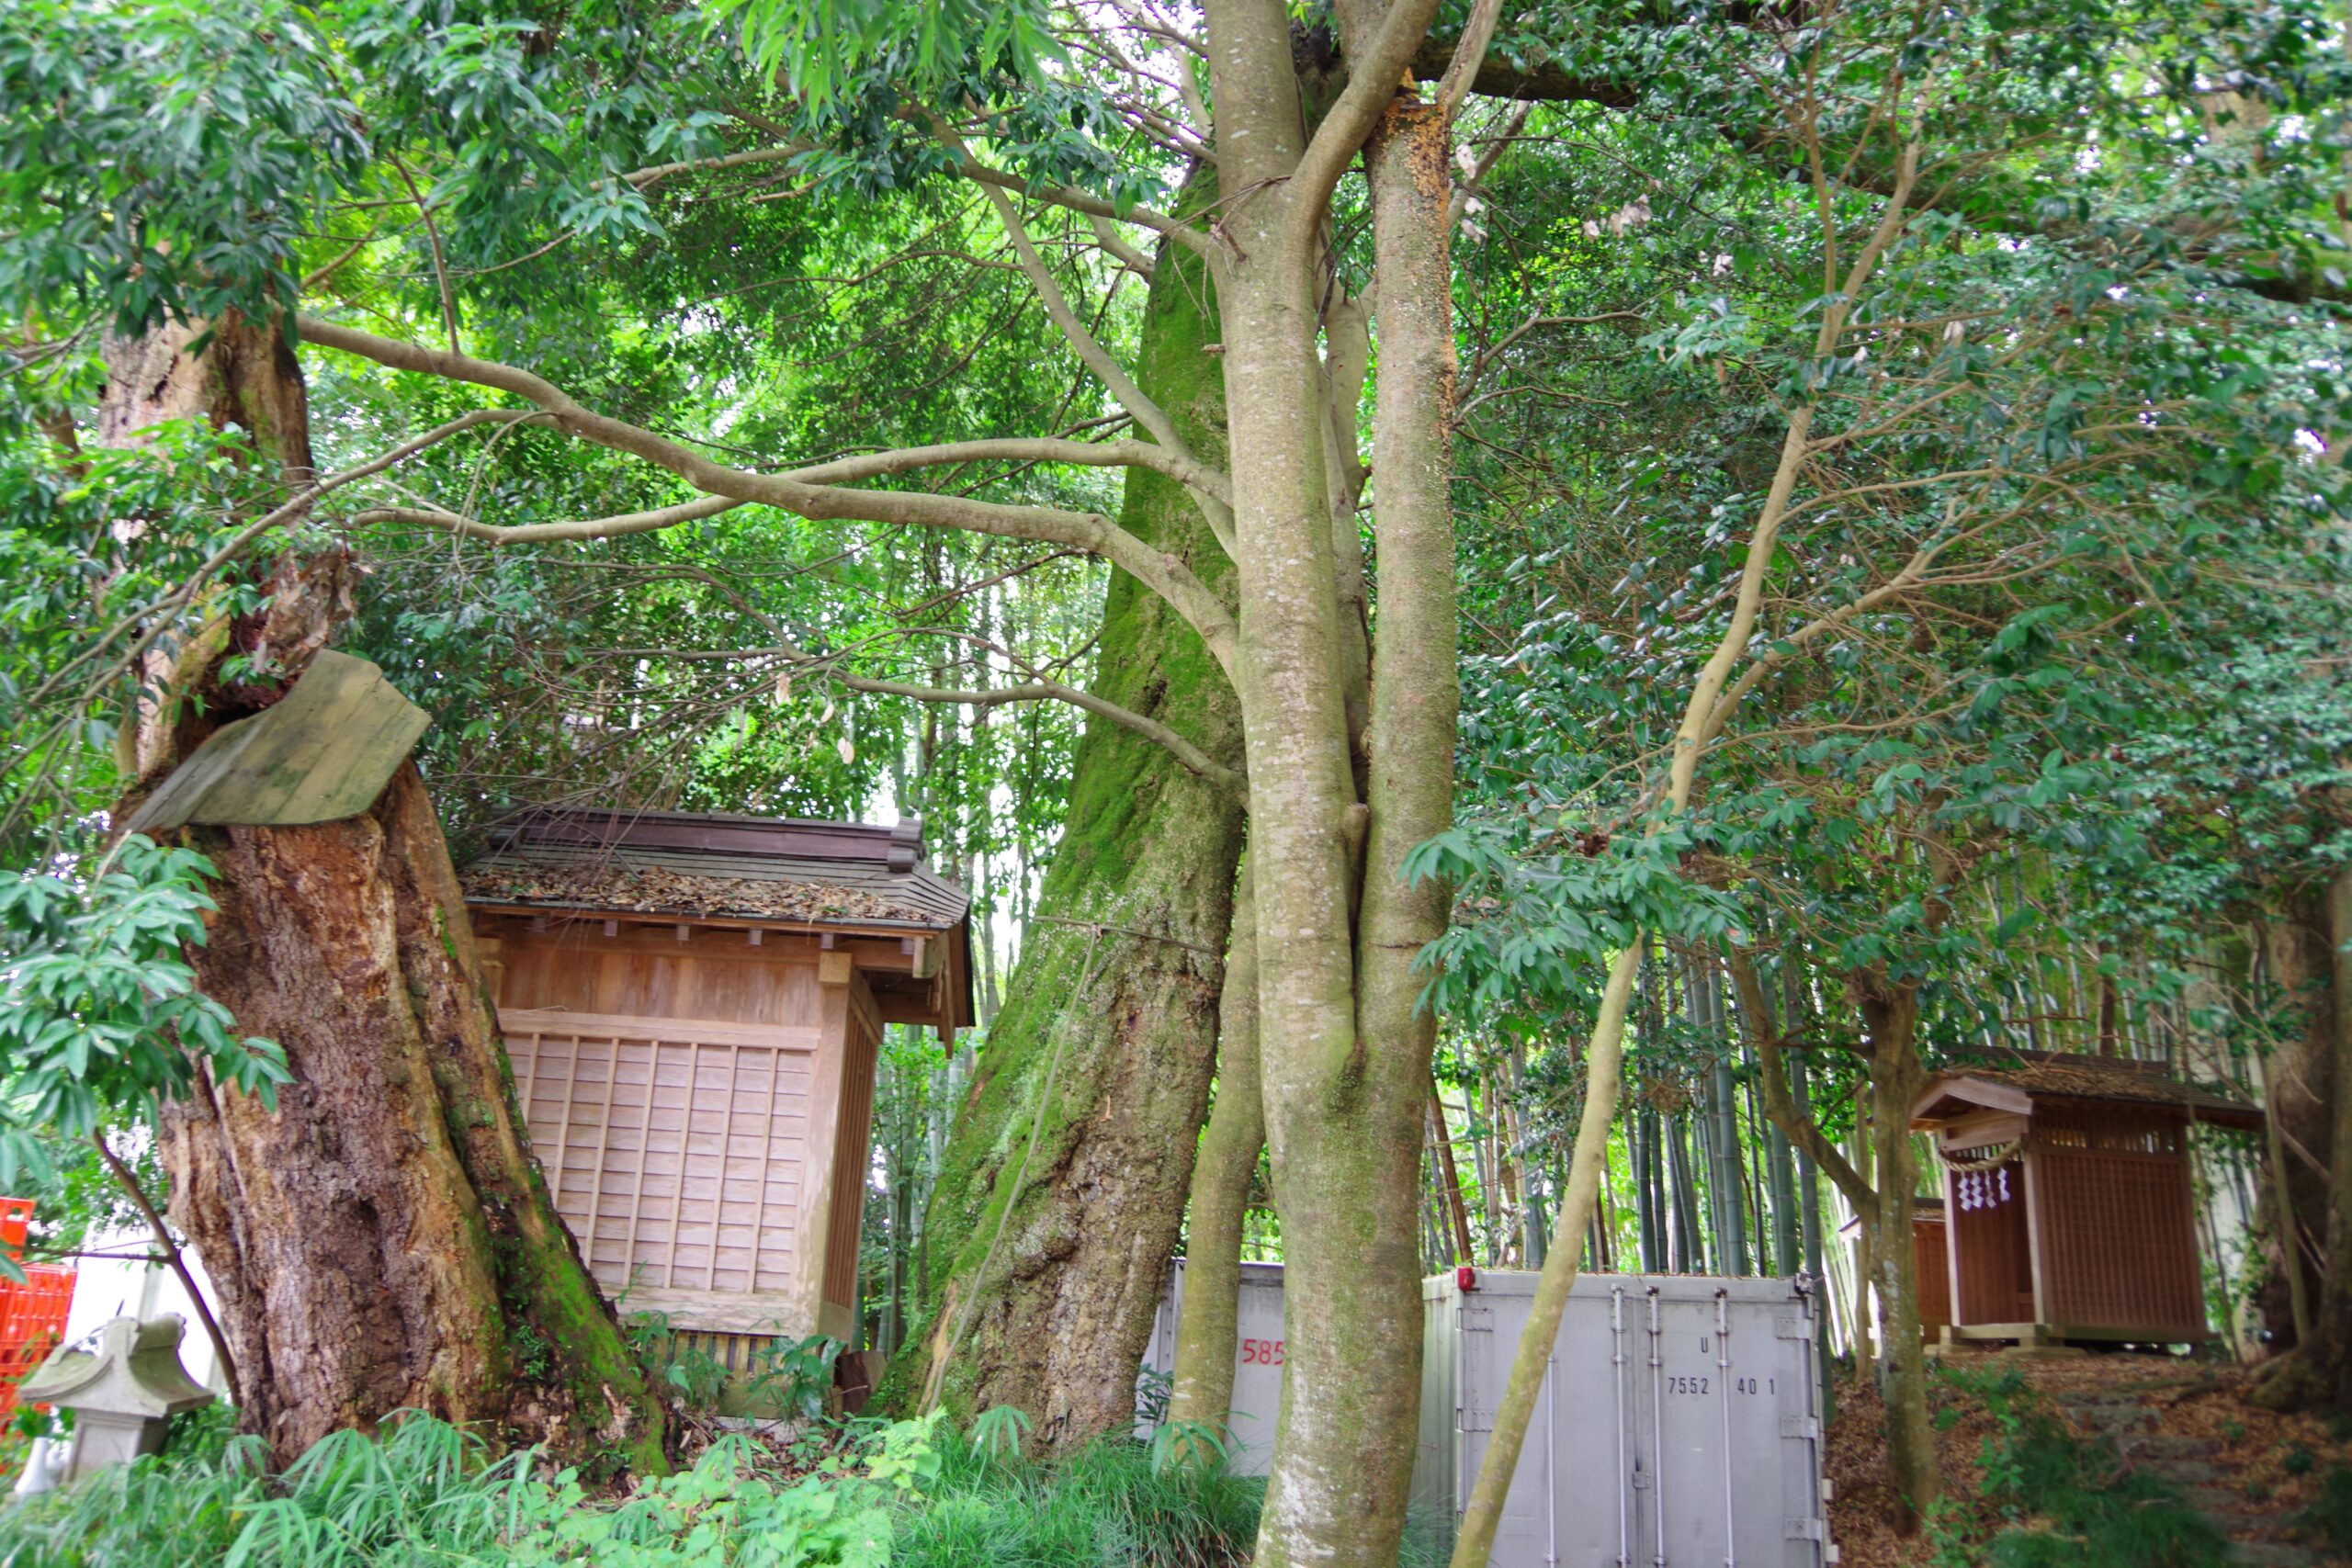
1064	1179
381	1240
1449	1177
2313	1098
1208	1327
1346	1043
1787	1258
1726	1177
1646	1188
1816	1254
1890	1013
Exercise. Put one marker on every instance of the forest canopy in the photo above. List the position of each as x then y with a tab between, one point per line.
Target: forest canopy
1517	623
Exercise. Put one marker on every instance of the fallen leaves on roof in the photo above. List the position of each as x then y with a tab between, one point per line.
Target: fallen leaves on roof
2096	1078
657	890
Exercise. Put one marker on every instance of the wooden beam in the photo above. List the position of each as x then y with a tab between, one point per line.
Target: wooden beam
891	931
1980	1128
1976	1091
880	955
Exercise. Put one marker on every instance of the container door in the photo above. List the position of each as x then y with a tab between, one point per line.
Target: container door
1568	1500
1258	1369
1728	1450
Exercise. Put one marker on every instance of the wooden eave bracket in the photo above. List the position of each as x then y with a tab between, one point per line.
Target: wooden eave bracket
1974	1091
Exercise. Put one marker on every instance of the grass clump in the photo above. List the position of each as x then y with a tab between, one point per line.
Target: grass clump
2053	1500
1112	1504
424	1492
855	1494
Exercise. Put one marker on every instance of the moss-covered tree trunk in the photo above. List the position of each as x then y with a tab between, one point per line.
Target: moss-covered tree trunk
2310	952
1062	1191
383	1239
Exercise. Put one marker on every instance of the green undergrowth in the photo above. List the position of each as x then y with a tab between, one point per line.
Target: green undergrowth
909	1494
2052	1500
2328	1521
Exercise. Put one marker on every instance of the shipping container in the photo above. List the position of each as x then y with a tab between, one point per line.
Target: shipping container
1257	1357
1678	1426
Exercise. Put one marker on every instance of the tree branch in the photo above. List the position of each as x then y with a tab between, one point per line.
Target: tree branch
1078	201
1134	260
1910	577
1481	166
591	529
1373	78
1462	70
1194	759
1092	532
1779	1103
171	1250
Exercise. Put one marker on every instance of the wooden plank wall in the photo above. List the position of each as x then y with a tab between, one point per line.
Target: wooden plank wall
2119	1235
1933	1268
646	972
851	1154
1992	1263
676	1149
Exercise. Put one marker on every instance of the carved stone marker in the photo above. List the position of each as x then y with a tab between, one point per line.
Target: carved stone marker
121	1393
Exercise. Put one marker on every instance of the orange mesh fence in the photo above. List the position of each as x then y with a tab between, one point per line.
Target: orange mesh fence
32	1321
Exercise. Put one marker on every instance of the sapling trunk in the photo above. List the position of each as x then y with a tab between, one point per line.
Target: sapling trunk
1206	1328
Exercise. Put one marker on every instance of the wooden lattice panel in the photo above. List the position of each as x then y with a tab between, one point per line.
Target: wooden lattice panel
2119	1235
676	1149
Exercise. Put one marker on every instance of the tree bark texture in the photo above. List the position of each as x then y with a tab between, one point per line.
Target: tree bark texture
1890	1013
2309	1098
1067	1205
381	1240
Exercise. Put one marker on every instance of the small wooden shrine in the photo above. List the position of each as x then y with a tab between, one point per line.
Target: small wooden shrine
2068	1211
691	1004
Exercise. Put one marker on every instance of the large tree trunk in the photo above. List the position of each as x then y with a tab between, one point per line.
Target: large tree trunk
381	1240
1065	1179
2311	1097
1345	1126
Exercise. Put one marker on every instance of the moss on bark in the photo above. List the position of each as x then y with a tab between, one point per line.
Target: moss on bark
1060	1210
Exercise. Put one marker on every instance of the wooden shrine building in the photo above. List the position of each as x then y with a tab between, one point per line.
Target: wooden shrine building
692	1005
2068	1211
